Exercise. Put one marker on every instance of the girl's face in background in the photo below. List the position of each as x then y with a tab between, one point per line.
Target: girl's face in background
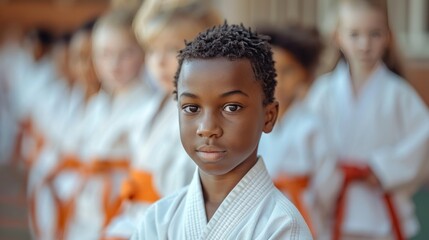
363	35
118	58
81	66
161	54
291	76
61	58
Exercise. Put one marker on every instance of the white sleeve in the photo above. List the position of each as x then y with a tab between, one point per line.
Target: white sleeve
327	179
318	93
147	227
405	162
159	218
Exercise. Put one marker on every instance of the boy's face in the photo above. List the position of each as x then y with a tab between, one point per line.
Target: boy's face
221	114
117	57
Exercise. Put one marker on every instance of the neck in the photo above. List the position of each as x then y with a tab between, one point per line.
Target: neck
360	75
124	89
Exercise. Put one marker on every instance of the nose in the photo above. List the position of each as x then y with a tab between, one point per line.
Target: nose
115	61
209	126
364	43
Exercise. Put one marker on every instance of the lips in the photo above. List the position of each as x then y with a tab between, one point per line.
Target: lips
210	153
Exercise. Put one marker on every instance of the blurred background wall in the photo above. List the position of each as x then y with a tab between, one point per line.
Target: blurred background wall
409	18
57	15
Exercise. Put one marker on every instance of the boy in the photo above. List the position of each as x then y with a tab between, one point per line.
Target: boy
224	87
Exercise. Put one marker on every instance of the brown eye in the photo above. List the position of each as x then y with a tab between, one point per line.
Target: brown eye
190	109
232	108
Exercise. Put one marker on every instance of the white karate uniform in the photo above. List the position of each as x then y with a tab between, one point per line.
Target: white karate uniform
297	144
31	82
35	94
108	142
19	73
60	123
11	56
157	150
69	134
16	62
48	118
386	127
161	151
254	209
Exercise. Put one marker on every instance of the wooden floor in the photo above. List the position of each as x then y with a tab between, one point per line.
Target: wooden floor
13	206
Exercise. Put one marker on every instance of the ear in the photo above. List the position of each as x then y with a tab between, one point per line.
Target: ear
271	112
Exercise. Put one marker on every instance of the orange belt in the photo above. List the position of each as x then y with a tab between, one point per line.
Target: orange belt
294	187
65	208
105	169
356	173
139	187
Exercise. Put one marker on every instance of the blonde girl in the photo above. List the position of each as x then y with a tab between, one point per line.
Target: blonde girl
379	126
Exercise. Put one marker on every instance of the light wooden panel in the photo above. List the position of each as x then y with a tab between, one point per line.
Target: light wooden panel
58	17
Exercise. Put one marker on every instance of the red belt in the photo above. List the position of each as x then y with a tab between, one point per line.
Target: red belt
358	173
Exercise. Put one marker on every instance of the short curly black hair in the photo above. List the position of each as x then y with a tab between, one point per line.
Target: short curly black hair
234	42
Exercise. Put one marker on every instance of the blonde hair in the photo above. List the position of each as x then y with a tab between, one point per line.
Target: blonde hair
155	16
391	56
120	18
130	5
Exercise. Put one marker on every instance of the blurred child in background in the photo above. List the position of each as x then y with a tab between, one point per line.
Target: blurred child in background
118	61
46	193
379	127
81	66
297	148
159	164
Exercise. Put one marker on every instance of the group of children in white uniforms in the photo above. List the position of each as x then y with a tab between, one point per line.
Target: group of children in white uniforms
349	153
112	144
